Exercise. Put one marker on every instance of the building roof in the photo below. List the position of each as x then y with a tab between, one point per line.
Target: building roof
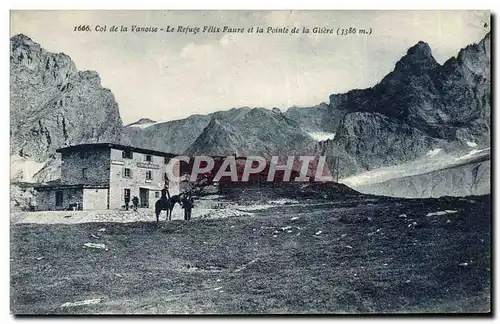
93	146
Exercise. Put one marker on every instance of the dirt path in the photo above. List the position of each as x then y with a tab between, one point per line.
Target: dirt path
204	209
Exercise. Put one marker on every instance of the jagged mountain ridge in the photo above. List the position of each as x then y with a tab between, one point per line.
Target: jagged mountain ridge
52	104
256	131
178	136
174	136
419	106
426	95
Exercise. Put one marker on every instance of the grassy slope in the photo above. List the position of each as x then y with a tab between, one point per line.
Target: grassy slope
194	267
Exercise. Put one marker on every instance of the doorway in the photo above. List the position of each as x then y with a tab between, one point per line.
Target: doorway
144	197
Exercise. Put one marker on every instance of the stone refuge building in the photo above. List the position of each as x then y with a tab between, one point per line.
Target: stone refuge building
100	176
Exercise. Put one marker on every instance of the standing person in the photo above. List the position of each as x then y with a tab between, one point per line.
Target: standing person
127	202
187	204
135	202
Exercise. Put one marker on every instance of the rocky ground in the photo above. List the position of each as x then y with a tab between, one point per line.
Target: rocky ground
357	255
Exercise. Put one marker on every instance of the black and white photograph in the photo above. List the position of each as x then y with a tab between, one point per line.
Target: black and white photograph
258	162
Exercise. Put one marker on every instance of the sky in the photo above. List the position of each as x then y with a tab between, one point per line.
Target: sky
171	75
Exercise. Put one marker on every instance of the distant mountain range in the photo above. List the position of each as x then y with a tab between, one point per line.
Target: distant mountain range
419	107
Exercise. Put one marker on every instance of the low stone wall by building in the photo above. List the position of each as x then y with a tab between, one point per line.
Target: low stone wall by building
46	199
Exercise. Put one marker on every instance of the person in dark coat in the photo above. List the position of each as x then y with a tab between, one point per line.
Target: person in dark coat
187	205
127	202
135	202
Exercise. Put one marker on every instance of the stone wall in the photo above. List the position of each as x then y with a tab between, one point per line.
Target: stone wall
46	199
95	162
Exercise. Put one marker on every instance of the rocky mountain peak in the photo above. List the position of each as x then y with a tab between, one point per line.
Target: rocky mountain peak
20	36
145	120
474	59
421	49
30	58
416	106
418	58
142	121
22	39
52	104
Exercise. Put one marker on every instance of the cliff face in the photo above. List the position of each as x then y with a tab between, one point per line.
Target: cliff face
419	106
52	104
319	118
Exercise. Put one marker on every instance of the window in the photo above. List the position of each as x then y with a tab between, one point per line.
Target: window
127	154
127	173
126	194
59	198
84	173
157	194
149	158
149	175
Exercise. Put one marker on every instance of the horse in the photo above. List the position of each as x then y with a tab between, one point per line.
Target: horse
167	204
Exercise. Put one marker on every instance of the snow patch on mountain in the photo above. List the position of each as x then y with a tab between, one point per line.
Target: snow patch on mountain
426	164
143	123
471	154
321	136
23	169
433	152
142	126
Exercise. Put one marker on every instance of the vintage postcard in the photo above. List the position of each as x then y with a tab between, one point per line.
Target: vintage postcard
250	162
